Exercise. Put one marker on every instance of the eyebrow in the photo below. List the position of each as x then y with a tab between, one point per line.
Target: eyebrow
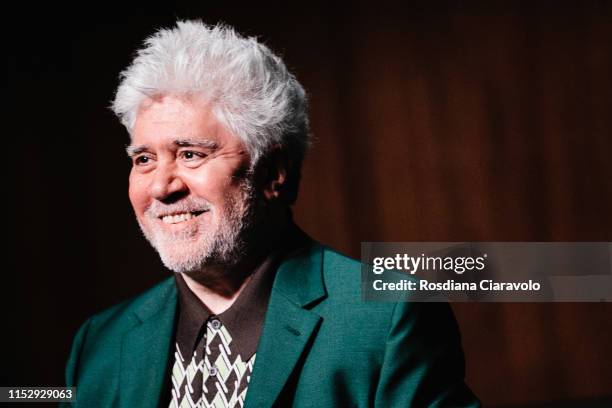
134	150
205	144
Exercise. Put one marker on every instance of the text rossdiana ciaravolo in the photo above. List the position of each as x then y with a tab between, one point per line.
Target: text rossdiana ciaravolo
451	285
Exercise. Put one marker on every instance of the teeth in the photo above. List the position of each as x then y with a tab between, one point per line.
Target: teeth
174	219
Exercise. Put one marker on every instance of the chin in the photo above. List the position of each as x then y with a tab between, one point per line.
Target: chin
185	257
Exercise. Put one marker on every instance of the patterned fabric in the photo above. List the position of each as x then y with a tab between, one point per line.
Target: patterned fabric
215	375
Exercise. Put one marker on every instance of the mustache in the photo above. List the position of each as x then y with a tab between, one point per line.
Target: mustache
158	209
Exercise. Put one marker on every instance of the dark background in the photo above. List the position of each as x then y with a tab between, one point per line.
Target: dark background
434	122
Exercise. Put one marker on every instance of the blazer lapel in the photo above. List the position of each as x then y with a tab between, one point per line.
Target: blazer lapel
288	325
145	352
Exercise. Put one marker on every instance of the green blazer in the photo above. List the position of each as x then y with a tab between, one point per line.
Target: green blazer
321	346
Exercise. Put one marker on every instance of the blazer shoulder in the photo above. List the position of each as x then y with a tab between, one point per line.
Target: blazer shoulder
95	359
334	260
343	282
139	307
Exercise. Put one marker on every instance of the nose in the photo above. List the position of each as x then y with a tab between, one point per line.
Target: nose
166	182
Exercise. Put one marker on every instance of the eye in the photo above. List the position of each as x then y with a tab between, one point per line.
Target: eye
191	155
141	160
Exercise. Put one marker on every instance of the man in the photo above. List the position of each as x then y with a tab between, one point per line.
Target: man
257	313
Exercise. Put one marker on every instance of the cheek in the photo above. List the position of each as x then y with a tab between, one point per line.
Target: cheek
137	194
210	184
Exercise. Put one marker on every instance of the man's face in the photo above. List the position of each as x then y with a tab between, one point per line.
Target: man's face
189	184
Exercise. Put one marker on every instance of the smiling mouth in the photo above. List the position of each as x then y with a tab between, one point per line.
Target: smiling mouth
180	217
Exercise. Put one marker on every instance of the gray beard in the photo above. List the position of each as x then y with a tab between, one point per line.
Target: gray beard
191	250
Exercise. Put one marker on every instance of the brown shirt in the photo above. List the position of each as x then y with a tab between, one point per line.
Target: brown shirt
215	354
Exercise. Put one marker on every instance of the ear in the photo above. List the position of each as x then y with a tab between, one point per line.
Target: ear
274	169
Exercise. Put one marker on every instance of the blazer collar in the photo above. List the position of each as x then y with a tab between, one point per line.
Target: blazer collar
300	275
146	349
289	324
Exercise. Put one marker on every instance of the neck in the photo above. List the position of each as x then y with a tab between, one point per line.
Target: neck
217	294
218	286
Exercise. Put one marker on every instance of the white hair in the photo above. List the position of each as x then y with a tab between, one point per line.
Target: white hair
249	88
